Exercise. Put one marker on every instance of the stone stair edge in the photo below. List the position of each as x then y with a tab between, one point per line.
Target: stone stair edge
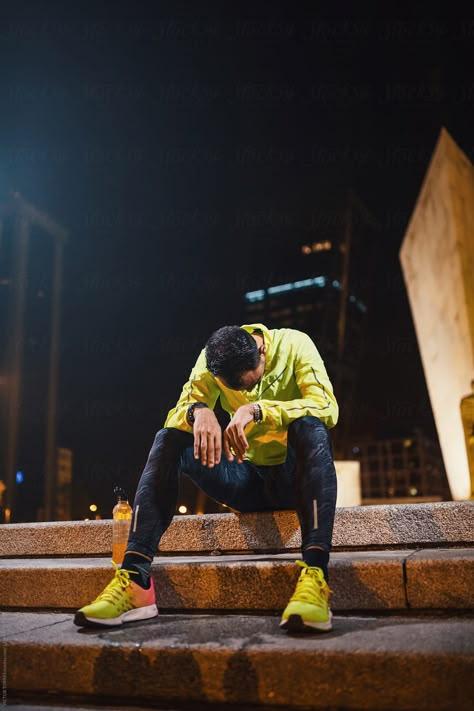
365	526
385	580
405	554
247	659
340	511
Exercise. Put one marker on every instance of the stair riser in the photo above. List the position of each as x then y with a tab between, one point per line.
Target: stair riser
254	585
369	681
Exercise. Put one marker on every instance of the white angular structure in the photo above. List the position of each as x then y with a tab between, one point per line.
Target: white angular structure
348	483
437	257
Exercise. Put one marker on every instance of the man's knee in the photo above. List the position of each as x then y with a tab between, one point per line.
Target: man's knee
170	437
307	428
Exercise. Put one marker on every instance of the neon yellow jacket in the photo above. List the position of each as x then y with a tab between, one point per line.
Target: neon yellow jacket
294	384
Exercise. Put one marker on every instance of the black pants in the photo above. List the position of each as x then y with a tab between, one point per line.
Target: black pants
305	482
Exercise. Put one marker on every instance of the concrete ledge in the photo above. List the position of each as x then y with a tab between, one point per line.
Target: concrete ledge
403	525
359	580
370	663
444	580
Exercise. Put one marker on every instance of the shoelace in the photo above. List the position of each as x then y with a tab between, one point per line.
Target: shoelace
120	581
311	586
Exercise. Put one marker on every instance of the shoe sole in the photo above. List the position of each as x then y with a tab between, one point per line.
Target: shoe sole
295	623
139	613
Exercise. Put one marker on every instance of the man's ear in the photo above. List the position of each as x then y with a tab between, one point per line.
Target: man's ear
262	349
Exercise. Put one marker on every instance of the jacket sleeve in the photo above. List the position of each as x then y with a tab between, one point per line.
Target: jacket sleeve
201	387
317	397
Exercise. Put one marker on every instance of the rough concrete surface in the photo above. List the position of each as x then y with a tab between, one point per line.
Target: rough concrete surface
50	707
360	580
364	663
355	527
441	579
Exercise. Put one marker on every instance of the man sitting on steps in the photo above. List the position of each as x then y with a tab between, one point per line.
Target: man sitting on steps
278	455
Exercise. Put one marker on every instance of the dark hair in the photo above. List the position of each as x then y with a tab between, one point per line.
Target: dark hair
230	352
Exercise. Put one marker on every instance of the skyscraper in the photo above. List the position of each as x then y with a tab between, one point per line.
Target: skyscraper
327	295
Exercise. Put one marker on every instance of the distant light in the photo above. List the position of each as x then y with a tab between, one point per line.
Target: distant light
19	477
302	283
355	450
281	287
92	507
306	249
258	295
413	491
321	246
86	519
182	509
407	442
319	281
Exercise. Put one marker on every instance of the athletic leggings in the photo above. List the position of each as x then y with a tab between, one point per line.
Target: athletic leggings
305	482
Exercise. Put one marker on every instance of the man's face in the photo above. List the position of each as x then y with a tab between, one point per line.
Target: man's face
250	378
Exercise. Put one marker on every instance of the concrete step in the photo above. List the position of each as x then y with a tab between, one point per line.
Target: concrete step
361	580
358	527
367	663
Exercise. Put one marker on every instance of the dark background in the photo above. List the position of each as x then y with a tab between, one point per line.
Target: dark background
189	147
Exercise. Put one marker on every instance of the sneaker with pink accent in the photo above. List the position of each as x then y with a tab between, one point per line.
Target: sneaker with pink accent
121	601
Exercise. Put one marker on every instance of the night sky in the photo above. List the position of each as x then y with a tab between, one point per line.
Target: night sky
188	147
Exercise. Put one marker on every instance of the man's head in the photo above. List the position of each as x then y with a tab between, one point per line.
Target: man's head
236	357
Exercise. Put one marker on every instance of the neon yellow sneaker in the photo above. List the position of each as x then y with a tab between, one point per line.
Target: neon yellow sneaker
121	601
309	606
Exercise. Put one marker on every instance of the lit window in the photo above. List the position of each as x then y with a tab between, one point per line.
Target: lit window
258	295
302	283
280	288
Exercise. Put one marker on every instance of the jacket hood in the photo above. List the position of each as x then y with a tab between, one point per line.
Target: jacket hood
267	338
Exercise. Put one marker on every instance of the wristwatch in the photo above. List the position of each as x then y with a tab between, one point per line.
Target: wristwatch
190	413
257	412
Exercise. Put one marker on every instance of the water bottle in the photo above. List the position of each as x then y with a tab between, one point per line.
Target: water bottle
122	518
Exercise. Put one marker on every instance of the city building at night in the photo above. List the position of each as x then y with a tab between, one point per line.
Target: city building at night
328	297
29	358
401	469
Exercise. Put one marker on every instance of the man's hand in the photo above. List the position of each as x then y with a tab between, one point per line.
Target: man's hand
234	435
207	437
